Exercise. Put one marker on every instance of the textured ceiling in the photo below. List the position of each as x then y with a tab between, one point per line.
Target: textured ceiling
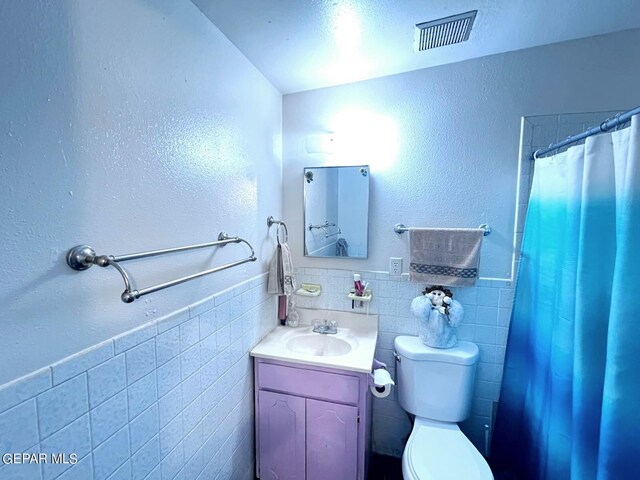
306	44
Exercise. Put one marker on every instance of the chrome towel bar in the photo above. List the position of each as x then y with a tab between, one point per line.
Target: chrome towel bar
400	228
81	257
325	227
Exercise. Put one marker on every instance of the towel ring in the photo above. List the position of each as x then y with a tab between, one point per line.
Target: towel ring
286	233
271	221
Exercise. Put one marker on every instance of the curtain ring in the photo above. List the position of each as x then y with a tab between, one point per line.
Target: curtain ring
618	124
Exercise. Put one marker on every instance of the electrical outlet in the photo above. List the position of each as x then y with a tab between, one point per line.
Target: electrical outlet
395	266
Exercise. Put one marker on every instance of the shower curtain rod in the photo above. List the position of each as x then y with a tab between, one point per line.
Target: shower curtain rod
605	126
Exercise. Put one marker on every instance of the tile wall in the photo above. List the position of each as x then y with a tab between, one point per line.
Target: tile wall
170	399
486	320
542	130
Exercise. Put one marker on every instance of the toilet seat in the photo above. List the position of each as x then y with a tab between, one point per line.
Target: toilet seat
440	451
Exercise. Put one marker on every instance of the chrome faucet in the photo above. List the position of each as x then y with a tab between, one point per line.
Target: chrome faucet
326	328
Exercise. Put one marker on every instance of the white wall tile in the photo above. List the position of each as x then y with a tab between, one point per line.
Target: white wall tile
504	317
466	332
81	362
144	427
24	388
191	388
142	394
487	353
156	474
83	470
190	361
135	337
168	376
506	298
146	459
501	335
192	442
544	134
62	404
172	463
171	435
189	333
111	454
167	345
487	297
18	428
208	323
122	473
141	360
73	438
195	465
202	306
486	316
106	380
173	319
191	415
486	334
108	418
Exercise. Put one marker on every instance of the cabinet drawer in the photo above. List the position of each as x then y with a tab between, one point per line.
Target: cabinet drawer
309	383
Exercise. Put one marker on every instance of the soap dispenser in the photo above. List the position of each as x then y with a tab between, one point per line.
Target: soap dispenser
293	317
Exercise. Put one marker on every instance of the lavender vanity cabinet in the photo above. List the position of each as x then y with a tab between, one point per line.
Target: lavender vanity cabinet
312	423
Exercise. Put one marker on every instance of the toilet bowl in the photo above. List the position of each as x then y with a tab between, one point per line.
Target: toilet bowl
440	451
436	386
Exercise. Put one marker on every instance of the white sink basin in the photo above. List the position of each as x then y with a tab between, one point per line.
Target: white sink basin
351	348
319	345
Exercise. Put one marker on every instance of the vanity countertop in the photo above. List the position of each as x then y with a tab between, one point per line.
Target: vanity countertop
352	348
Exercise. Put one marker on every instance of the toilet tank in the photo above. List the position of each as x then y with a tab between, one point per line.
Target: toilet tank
435	383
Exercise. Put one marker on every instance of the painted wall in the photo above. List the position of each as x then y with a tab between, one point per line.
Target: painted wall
128	125
443	142
464	119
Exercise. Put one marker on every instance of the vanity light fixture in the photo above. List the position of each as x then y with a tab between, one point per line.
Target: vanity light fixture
323	143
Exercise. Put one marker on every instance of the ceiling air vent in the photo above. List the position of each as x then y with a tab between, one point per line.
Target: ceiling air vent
445	31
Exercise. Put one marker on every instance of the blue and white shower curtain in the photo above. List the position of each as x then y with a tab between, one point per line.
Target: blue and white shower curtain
570	401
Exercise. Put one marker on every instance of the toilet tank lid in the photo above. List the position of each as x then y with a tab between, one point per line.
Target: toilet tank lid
465	353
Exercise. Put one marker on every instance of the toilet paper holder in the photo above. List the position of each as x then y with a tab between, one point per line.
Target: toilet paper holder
376	364
380	390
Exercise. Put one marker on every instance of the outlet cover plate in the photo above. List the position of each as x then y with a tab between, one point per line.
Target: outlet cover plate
395	266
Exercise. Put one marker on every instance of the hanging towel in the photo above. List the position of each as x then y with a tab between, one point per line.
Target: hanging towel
281	279
445	256
342	248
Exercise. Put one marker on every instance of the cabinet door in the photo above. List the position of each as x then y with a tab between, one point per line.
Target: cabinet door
332	441
282	436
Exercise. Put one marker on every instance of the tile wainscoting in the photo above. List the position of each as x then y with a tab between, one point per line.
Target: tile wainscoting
172	398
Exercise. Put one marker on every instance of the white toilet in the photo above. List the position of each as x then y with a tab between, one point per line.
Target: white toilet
436	385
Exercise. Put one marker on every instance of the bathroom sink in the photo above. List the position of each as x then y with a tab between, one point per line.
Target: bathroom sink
351	348
319	345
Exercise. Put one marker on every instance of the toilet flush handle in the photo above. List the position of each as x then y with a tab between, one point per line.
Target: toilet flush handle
395	354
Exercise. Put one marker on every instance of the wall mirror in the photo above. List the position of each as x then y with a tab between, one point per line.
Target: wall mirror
336	211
